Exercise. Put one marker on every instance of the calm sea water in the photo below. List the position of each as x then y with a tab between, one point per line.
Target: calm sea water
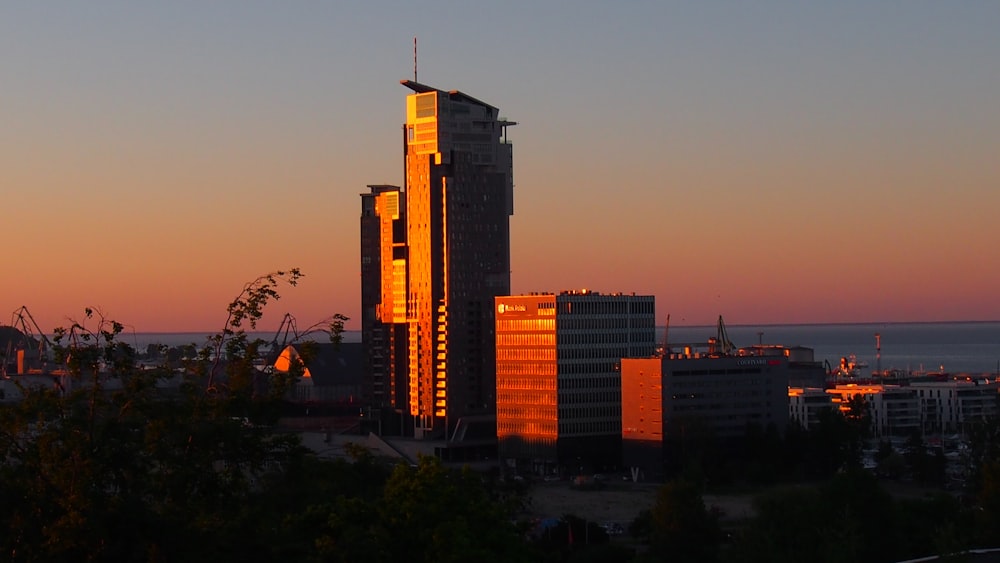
952	347
972	347
140	340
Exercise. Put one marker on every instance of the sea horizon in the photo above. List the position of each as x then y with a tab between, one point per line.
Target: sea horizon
968	347
659	326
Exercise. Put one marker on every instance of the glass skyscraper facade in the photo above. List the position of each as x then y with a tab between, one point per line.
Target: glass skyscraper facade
558	373
454	260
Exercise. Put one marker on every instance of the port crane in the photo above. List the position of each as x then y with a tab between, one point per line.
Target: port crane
288	332
32	340
665	346
722	339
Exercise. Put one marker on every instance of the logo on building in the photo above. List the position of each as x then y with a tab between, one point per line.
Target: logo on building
503	308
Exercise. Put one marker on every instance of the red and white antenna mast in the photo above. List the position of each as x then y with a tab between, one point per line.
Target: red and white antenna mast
878	354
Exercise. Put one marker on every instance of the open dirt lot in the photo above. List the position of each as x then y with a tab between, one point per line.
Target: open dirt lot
619	502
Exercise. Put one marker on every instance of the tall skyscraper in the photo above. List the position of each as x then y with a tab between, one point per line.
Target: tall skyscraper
459	197
459	194
383	296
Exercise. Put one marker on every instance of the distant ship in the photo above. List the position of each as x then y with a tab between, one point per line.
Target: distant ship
849	368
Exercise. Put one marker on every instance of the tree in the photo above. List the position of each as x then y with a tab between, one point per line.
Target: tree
834	443
681	527
110	467
851	518
859	416
105	466
434	515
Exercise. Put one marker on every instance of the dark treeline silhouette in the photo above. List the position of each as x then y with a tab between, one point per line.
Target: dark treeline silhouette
111	467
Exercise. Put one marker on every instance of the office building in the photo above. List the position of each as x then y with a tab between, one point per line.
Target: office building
713	396
558	378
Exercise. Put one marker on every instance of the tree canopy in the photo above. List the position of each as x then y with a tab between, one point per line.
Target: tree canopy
181	462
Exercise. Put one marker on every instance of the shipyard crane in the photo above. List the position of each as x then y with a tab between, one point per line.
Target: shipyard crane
665	348
287	327
288	331
722	338
31	338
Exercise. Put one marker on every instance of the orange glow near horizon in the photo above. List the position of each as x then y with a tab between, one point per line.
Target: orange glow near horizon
775	173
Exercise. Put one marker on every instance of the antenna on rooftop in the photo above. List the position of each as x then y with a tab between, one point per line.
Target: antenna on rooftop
878	353
666	336
415	59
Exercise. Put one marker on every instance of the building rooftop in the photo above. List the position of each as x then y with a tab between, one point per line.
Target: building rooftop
453	94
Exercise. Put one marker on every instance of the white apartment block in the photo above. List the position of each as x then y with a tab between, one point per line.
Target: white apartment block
948	406
805	403
929	407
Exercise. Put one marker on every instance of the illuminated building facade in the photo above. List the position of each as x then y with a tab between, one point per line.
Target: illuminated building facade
558	379
677	399
893	410
954	404
383	296
459	198
928	406
806	403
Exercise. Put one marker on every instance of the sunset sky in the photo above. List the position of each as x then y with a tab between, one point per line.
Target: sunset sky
773	162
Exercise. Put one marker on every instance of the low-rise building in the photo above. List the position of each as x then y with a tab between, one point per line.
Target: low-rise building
931	406
893	410
667	400
334	372
805	404
951	405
